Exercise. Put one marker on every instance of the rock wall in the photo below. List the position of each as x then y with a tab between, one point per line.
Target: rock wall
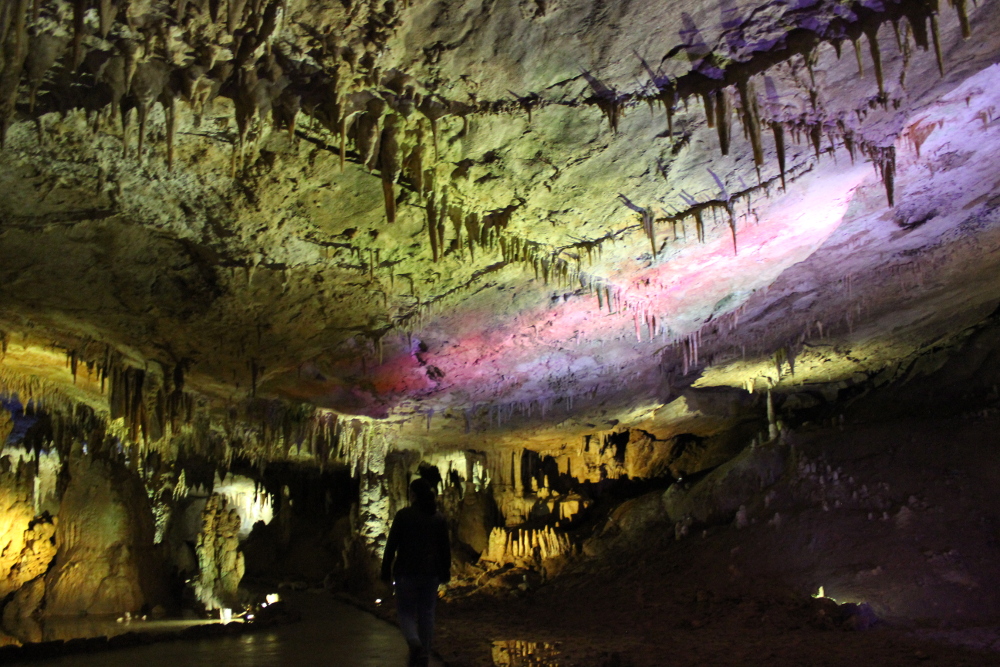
27	545
106	562
220	560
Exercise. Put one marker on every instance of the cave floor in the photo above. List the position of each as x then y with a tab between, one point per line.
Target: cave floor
919	543
330	633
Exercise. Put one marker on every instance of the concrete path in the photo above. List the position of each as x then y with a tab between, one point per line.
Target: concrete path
330	634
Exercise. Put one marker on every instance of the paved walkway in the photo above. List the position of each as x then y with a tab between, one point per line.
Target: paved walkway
330	634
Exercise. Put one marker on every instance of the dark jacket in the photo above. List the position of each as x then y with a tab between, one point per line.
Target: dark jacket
419	545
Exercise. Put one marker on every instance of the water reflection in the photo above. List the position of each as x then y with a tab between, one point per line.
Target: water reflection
518	653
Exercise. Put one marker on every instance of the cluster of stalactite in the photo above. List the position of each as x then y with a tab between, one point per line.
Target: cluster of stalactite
735	83
391	124
472	229
525	546
150	416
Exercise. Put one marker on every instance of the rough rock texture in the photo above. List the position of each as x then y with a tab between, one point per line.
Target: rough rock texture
220	561
20	614
719	496
193	191
551	250
105	562
27	543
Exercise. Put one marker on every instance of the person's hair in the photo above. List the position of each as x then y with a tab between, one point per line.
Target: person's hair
423	496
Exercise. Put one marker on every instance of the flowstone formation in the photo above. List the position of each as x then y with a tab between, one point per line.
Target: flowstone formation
263	261
220	562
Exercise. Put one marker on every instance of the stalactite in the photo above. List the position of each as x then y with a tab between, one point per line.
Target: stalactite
413	166
648	226
432	224
888	169
170	107
816	137
79	15
779	147
366	130
884	160
15	52
872	35
857	55
848	136
667	98
440	227
148	84
723	116
106	10
751	121
699	224
732	224
389	164
708	100
234	14
434	111
43	51
963	18
936	36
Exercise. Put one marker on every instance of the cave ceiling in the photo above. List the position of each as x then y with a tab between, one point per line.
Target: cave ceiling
482	220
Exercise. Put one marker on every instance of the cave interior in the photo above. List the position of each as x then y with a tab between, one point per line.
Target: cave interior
689	310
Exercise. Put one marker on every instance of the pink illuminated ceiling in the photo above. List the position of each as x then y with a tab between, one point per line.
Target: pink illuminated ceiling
529	347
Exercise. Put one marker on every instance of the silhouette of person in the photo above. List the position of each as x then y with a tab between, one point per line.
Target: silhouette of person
417	559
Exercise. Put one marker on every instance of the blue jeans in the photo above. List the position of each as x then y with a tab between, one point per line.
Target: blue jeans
416	597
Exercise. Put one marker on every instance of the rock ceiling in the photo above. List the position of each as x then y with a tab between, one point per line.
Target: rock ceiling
484	221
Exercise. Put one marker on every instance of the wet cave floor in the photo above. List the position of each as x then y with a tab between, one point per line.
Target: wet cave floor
919	543
742	631
330	633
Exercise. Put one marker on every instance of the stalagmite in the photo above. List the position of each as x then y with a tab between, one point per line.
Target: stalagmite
772	424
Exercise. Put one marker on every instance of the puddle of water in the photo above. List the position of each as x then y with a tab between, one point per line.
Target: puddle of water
517	653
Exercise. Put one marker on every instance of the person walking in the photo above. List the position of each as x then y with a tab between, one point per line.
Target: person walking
417	560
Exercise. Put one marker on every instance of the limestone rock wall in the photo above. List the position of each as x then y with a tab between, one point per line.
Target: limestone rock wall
220	560
27	545
106	563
